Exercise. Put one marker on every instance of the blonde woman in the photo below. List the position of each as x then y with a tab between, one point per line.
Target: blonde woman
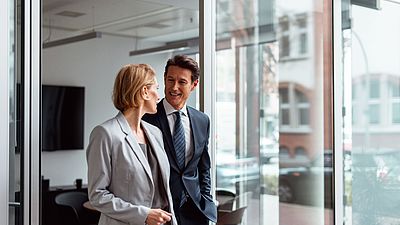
128	169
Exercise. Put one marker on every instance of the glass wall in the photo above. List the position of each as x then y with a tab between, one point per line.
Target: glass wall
273	134
372	183
16	113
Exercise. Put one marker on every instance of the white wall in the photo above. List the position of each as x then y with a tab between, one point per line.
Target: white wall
94	65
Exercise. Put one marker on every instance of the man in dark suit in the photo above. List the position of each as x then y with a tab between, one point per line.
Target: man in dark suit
185	132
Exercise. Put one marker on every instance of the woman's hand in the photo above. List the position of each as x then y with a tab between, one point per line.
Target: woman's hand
158	217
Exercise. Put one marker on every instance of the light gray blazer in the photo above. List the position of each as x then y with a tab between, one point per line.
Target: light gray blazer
120	185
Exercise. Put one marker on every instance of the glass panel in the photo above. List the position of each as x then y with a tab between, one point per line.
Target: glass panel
374	113
284	46
135	32
239	71
15	115
304	116
300	97
303	44
395	87
303	108
372	179
276	93
305	192
284	116
269	134
374	89
283	95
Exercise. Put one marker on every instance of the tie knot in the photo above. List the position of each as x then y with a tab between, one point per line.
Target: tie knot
178	114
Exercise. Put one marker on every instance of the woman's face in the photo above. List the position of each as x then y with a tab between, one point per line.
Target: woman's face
150	104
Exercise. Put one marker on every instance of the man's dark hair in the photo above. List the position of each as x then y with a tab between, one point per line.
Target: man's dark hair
185	62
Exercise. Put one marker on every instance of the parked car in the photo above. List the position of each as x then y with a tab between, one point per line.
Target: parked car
233	172
302	183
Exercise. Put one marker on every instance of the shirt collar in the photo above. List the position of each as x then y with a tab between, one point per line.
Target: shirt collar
169	109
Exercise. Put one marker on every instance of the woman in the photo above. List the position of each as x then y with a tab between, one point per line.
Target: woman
128	170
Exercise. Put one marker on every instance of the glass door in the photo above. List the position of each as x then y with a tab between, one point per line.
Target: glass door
19	118
372	127
13	114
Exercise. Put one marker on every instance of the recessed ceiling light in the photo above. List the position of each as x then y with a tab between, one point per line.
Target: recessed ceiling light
70	14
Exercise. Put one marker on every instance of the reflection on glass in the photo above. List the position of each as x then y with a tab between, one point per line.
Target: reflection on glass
305	174
270	122
372	181
237	103
15	215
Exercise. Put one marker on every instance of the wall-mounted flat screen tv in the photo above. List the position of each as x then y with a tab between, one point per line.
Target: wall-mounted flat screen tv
63	115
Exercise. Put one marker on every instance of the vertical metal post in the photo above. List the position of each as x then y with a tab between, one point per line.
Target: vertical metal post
337	49
207	76
31	79
4	109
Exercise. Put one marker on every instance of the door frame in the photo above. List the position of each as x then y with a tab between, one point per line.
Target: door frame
4	110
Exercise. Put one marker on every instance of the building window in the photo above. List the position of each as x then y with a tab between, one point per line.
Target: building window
303	108
294	108
381	104
303	44
301	20
374	89
284	43
284	106
394	92
293	41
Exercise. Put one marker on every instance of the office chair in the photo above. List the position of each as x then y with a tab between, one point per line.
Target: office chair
225	199
226	217
71	210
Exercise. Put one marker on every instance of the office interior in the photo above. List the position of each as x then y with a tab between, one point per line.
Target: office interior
303	97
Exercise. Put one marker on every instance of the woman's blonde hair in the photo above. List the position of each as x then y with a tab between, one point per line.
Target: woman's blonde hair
129	81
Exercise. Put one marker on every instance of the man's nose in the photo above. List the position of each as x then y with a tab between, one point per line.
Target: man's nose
175	86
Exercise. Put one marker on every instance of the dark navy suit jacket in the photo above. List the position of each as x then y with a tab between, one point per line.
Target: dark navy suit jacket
195	177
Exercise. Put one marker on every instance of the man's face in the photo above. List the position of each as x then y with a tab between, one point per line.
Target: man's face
178	85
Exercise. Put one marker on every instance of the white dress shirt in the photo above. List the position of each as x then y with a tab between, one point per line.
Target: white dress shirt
169	110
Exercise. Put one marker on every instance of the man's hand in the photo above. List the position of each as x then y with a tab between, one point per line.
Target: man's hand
158	217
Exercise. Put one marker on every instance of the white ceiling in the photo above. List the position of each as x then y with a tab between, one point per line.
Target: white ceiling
155	20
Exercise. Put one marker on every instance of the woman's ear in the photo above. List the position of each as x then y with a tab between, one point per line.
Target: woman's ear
145	93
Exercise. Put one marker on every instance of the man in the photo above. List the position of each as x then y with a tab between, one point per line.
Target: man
185	133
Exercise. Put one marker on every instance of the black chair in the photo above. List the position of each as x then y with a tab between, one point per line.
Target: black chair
227	217
71	210
225	199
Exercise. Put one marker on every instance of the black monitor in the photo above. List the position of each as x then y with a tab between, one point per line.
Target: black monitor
62	117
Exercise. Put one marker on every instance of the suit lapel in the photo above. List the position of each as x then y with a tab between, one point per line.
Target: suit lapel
134	144
164	126
194	128
162	116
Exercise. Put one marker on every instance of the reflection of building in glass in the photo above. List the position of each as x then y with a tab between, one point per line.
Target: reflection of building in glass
376	115
294	119
299	85
293	36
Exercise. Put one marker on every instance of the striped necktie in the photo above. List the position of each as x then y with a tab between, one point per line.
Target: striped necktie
179	140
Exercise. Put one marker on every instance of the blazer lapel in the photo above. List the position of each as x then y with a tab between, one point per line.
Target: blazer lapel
157	147
134	144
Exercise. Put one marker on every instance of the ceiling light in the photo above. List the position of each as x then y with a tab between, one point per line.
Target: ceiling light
73	39
169	47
